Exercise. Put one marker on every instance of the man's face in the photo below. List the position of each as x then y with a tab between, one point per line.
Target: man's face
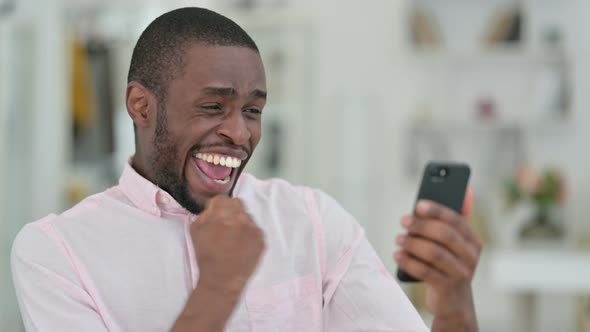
209	124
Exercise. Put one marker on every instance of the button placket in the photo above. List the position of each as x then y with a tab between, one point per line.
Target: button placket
192	261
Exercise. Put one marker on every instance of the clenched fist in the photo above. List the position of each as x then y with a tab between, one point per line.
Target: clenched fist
228	245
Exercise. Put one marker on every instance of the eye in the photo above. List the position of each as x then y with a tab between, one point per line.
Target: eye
253	111
212	108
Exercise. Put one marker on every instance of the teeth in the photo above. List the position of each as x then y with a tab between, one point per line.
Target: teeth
226	161
224	181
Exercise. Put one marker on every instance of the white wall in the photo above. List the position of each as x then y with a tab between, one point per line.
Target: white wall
34	113
4	284
358	110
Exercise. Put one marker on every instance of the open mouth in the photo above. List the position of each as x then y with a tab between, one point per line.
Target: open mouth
217	167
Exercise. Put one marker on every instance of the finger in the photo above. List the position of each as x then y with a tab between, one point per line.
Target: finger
422	228
446	236
468	204
237	202
435	255
418	269
426	209
216	202
225	205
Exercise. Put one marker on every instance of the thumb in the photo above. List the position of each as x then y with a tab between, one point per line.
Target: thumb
468	203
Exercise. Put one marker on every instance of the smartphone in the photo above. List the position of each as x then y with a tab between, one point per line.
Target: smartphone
444	183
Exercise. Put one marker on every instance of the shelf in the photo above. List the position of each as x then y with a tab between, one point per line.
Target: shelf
501	56
267	17
527	270
465	126
493	127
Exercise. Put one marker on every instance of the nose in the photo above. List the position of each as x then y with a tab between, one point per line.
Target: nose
234	128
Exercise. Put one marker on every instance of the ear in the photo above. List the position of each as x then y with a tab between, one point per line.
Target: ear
141	104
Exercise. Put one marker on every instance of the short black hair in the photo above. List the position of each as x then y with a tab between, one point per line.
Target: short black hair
158	56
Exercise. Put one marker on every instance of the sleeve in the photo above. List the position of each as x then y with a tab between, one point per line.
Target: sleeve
49	292
359	293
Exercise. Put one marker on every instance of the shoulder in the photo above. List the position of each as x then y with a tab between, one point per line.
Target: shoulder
279	202
35	243
270	190
317	204
92	204
41	236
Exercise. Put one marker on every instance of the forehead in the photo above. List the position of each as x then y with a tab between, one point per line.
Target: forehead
227	66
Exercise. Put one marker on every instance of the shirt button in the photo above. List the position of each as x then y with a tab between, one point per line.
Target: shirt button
164	199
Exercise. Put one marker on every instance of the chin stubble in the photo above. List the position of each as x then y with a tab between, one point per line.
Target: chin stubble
164	161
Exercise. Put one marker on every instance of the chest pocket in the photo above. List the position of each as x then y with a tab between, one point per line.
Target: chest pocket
292	306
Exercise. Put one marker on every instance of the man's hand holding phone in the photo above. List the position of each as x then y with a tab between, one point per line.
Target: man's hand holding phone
441	249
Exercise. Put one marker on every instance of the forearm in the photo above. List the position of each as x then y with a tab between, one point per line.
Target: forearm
207	309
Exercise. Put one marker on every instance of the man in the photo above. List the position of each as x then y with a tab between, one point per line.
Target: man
186	242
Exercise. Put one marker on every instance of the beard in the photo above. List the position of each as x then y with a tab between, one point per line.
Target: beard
164	163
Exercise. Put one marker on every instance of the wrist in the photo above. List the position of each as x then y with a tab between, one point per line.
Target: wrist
207	309
458	314
462	321
229	290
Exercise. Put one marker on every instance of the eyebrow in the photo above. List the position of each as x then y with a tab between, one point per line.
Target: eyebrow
212	91
259	94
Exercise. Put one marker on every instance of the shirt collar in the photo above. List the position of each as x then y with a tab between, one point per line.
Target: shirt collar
147	196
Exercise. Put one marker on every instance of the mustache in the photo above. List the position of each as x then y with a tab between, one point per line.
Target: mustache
198	147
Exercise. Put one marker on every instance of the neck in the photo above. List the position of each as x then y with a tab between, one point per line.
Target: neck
139	164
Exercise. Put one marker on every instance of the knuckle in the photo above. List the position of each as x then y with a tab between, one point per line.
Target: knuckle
402	261
478	245
226	223
417	226
450	235
478	251
236	201
435	210
463	275
458	220
472	259
423	272
409	244
437	255
241	218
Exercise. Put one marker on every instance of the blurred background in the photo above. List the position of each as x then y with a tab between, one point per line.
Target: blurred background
361	95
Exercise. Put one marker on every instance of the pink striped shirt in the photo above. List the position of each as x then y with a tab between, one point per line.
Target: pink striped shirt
123	260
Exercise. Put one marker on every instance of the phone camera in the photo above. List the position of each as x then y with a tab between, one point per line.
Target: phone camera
438	174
